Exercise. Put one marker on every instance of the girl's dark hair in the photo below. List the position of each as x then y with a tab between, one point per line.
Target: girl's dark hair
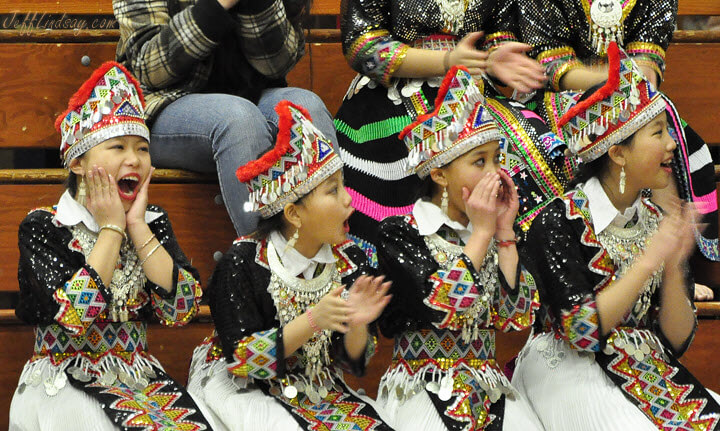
71	183
267	225
585	171
426	188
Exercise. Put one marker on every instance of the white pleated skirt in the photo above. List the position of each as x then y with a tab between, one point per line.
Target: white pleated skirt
569	391
32	409
70	409
236	409
419	413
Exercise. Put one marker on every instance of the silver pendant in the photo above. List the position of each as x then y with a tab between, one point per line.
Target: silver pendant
290	392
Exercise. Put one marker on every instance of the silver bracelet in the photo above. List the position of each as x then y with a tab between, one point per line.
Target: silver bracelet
115	228
150	254
146	242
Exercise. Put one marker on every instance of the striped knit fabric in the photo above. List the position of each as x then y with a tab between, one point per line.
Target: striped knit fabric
368	124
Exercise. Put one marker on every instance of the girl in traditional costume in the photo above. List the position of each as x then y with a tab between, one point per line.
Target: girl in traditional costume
291	310
94	269
570	38
401	51
456	276
616	312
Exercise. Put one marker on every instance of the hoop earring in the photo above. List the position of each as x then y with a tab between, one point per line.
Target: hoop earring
622	180
81	190
444	201
293	240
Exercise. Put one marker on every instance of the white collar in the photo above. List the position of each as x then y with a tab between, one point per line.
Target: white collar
430	218
70	212
294	262
602	210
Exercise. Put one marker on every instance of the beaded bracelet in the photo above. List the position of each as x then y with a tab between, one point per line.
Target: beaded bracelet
146	243
313	325
506	243
150	254
114	228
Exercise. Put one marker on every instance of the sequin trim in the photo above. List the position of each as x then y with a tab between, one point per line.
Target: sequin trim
494	40
180	309
121	339
467	373
648	380
378	54
517	312
256	356
558	62
80	302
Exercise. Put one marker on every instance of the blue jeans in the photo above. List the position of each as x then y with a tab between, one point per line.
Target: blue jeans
221	132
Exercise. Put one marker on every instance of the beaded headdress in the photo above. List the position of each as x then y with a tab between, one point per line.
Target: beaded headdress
459	123
301	159
614	112
109	104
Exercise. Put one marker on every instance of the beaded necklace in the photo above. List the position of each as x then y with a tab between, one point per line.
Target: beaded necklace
624	244
128	277
292	297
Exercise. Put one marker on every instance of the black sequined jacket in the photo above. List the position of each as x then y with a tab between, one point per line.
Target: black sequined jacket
56	281
570	267
560	33
377	33
420	286
245	315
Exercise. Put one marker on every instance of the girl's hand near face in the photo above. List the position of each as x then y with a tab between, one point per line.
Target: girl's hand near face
368	297
508	204
103	200
481	205
136	214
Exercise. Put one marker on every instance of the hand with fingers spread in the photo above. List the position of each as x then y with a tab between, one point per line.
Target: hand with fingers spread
686	217
481	204
465	54
331	312
103	200
368	297
510	64
508	204
136	213
674	240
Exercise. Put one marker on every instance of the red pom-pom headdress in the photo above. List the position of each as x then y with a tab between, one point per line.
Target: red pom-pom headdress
301	159
614	112
109	104
459	123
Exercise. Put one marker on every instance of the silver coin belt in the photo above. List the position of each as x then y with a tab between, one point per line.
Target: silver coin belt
88	358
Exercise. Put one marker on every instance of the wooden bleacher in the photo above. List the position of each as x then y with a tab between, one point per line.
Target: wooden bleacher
40	69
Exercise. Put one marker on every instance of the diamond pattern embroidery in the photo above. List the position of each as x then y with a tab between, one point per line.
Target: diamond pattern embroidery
182	308
454	292
650	383
256	356
335	412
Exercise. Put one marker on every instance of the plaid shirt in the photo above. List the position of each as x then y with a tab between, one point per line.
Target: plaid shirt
170	45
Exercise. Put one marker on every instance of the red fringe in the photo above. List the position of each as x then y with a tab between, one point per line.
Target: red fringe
83	94
603	92
282	143
442	92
